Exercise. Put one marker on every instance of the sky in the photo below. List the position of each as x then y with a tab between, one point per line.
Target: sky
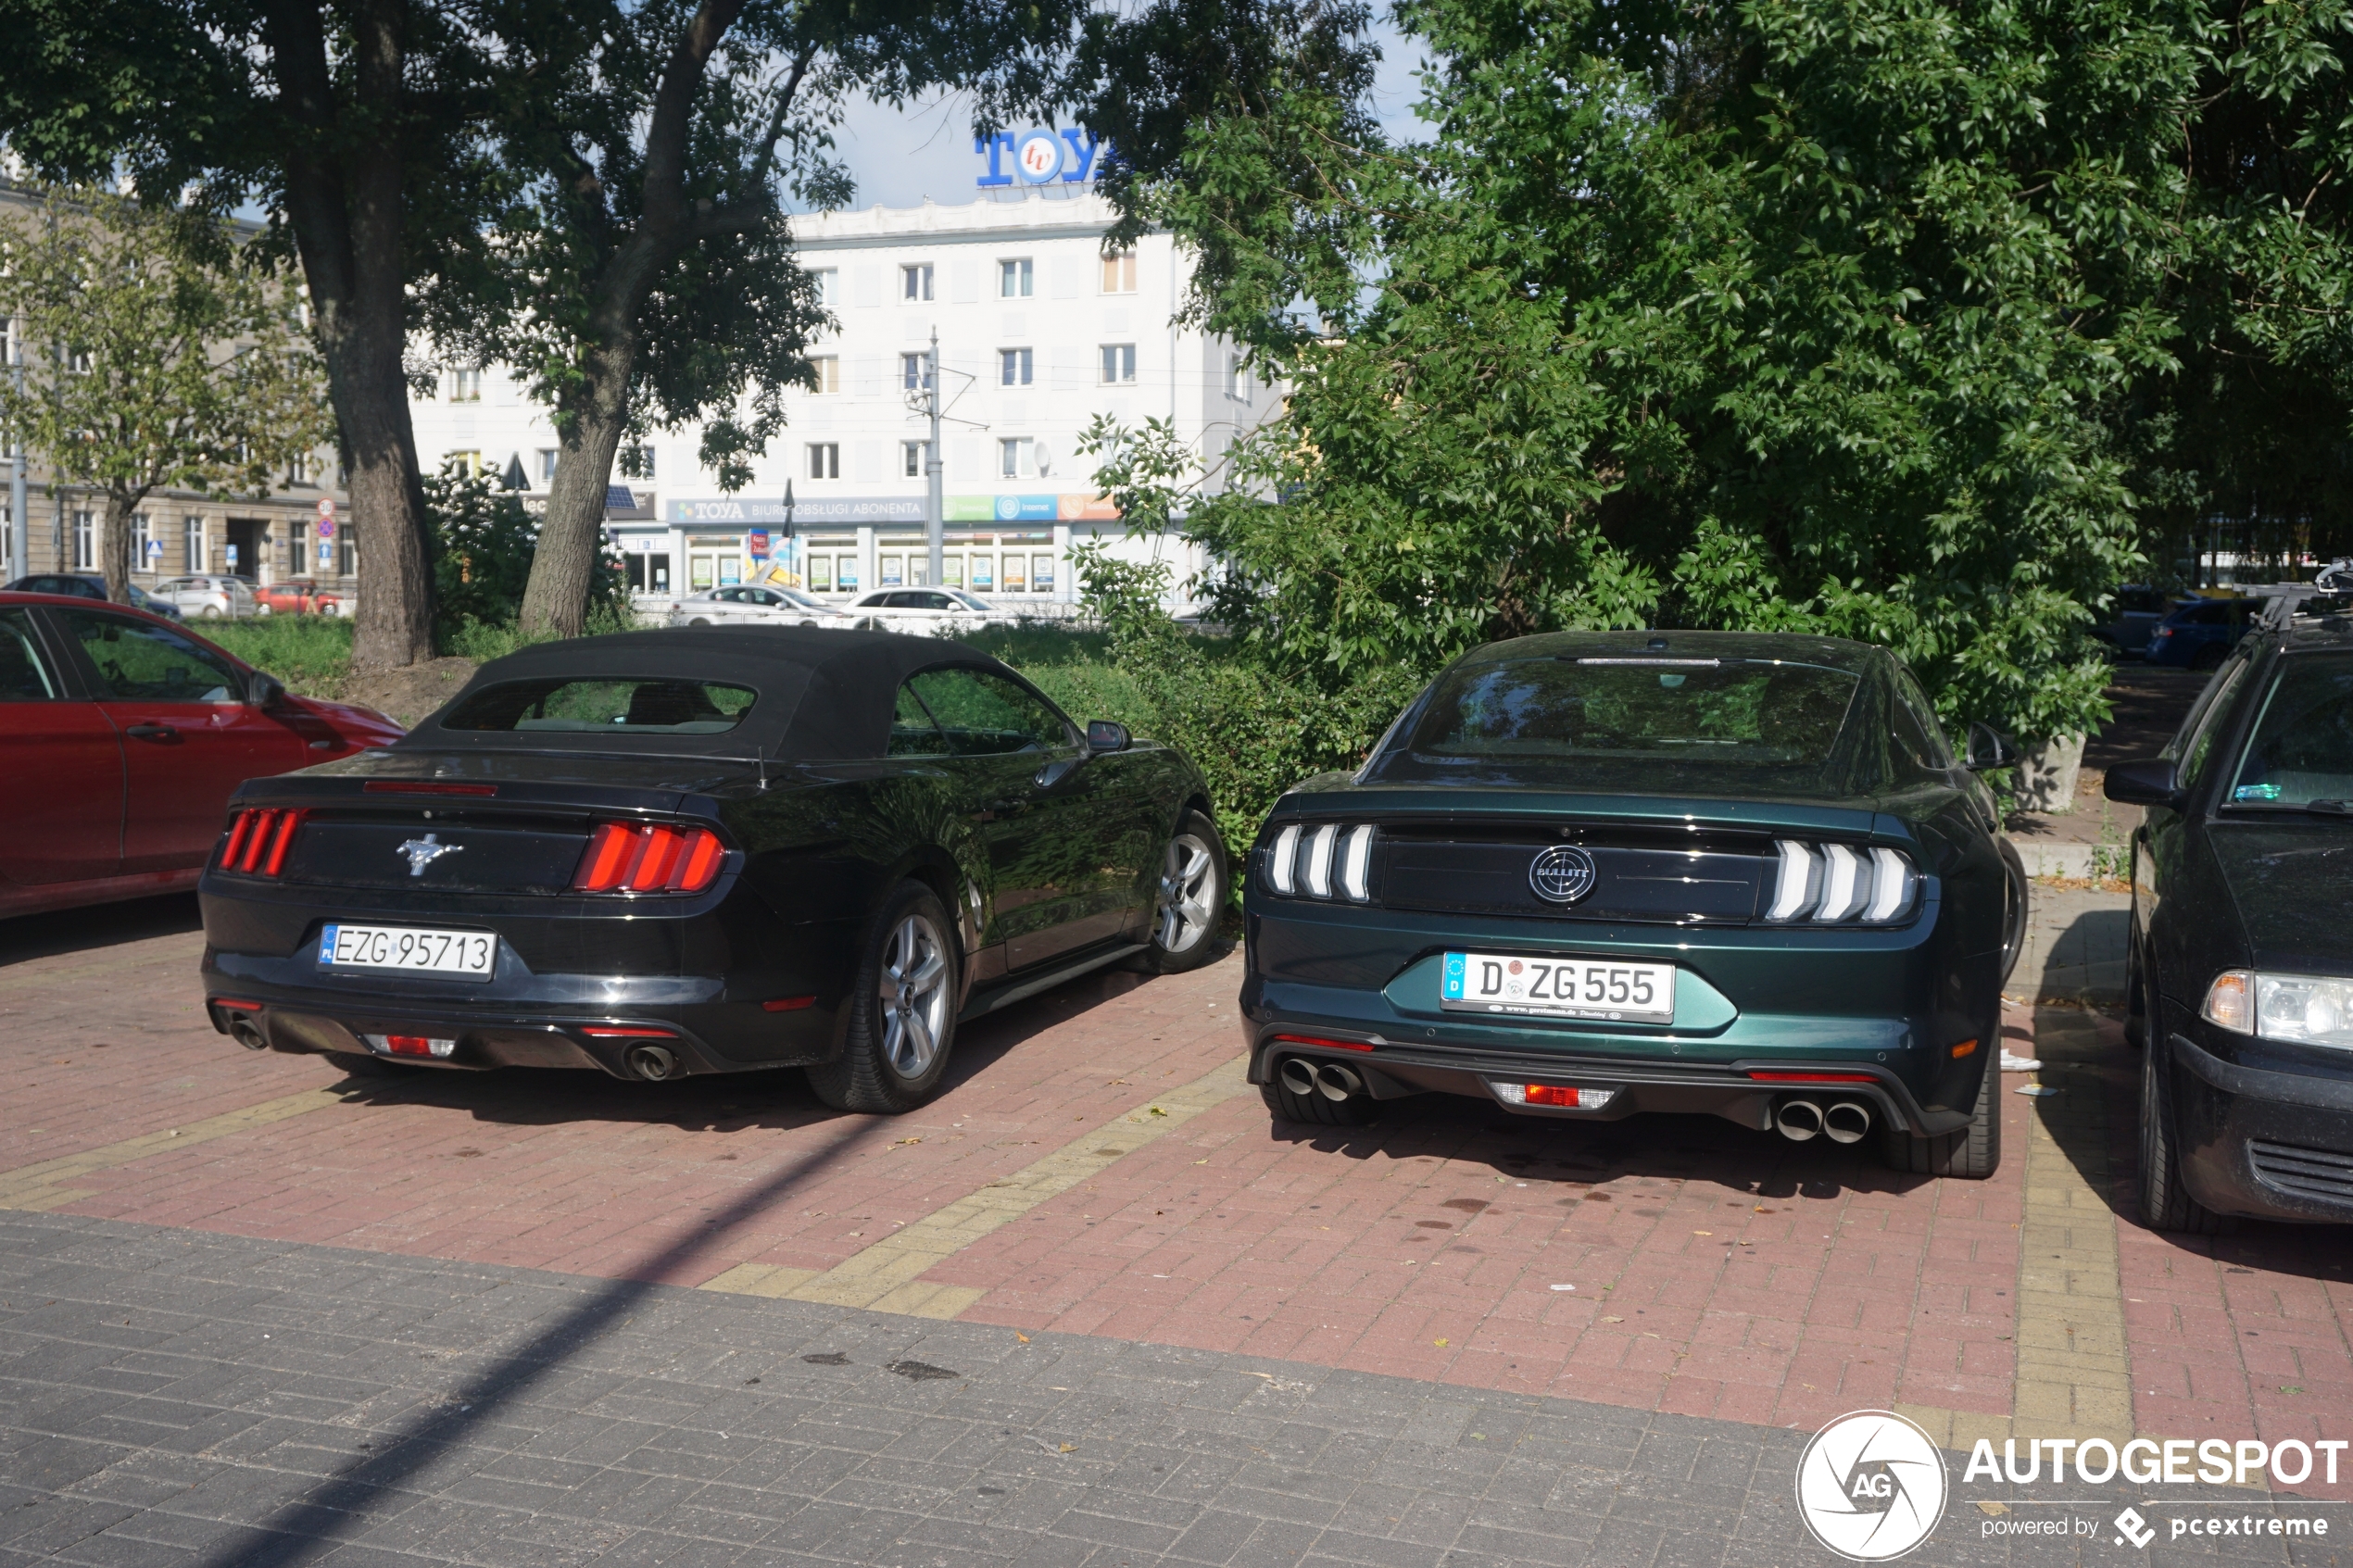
898	157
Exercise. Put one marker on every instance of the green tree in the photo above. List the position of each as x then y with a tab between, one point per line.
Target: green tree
155	357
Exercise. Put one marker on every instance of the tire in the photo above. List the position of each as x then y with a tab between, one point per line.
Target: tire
209	612
895	1049
2166	1204
1971	1153
2015	908
2137	1010
1189	896
699	620
1315	1110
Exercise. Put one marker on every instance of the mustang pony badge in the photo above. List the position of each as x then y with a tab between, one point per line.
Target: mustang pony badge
423	852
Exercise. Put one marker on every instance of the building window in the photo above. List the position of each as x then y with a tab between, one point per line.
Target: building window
547	467
912	376
1119	272
828	280
1016	280
914	283
1013	367
465	386
298	548
299	470
1238	379
911	459
829	368
192	544
1119	363
824	459
85	544
1016	458
467	463
638	462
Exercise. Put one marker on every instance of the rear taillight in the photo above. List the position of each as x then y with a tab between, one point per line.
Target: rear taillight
259	840
1828	883
649	858
1334	861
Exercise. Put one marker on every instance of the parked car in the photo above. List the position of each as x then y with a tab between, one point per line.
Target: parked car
209	597
2135	611
715	850
126	735
2200	633
934	613
757	604
2240	979
90	586
1591	875
297	596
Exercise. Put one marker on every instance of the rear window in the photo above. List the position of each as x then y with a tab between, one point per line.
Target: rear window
1690	710
2301	750
605	707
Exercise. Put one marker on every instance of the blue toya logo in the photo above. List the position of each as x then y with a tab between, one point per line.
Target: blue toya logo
1037	158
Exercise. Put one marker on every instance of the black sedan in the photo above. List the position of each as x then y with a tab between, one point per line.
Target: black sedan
1591	875
674	852
2241	989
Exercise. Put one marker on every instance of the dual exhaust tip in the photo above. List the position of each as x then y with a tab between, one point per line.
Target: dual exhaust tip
1330	1080
1842	1120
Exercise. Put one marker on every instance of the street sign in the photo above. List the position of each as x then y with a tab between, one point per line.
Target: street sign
326	506
756	543
326	527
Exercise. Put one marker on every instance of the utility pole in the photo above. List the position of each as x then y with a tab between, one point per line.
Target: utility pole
19	525
935	500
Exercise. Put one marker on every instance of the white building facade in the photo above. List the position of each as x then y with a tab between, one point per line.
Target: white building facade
1040	331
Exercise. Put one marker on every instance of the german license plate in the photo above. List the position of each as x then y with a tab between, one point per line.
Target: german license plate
1634	993
406	947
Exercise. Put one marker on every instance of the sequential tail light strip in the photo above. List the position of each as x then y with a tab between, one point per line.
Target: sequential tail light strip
649	858
1356	864
1279	869
1319	861
259	840
1829	883
1323	860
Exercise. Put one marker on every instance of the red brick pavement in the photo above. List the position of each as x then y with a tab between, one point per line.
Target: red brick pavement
1716	1271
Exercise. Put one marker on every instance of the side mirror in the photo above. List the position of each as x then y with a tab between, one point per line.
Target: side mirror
264	691
1988	747
2149	782
1103	736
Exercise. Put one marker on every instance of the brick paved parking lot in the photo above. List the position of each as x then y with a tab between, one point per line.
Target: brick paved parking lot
1623	1332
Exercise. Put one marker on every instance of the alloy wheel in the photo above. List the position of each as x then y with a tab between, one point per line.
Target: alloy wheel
914	996
1188	883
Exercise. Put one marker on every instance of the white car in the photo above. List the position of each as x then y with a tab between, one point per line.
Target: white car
923	611
760	604
210	599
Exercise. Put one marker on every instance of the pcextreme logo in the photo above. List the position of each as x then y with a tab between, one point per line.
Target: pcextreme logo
1870	1486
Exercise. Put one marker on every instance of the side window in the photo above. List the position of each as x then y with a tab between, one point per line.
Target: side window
2210	719
24	674
985	715
144	663
1917	730
912	732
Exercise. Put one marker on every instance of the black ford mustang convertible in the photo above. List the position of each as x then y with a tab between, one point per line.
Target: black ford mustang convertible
674	852
1591	874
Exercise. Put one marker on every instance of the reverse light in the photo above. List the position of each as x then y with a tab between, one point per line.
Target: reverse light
1565	1096
411	1044
1827	883
649	858
259	840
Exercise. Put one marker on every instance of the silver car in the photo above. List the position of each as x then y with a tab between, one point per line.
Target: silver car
760	605
209	597
923	611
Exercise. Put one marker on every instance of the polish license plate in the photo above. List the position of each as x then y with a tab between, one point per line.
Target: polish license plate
1633	993
406	947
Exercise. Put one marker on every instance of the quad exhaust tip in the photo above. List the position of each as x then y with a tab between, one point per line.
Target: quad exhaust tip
1846	1121
652	1063
1798	1119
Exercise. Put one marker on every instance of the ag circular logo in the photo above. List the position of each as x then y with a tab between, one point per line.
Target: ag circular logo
1870	1486
1040	157
1562	874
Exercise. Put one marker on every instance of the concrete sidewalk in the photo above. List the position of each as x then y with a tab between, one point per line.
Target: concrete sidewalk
2075	955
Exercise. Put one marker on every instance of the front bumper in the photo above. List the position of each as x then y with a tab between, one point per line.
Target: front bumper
2275	1146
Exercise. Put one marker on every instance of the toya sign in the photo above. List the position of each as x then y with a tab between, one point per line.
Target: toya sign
1037	158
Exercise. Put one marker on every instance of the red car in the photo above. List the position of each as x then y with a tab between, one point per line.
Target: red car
298	595
122	736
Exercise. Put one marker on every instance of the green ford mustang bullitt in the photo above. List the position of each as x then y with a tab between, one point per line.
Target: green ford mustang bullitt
1589	874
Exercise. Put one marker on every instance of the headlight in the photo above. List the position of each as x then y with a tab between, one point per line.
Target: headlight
2309	1008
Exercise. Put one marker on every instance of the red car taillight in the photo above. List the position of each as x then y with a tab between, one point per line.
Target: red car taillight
258	840
649	858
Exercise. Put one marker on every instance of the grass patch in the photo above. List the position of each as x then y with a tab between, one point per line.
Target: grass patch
310	653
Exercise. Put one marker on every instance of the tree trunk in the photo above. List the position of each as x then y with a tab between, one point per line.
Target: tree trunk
114	546
344	198
592	417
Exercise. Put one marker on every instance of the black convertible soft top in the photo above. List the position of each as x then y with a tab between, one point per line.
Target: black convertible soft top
823	696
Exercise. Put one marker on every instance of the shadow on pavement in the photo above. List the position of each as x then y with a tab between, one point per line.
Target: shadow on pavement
97	926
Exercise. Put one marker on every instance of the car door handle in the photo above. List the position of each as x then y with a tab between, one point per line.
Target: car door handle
145	731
